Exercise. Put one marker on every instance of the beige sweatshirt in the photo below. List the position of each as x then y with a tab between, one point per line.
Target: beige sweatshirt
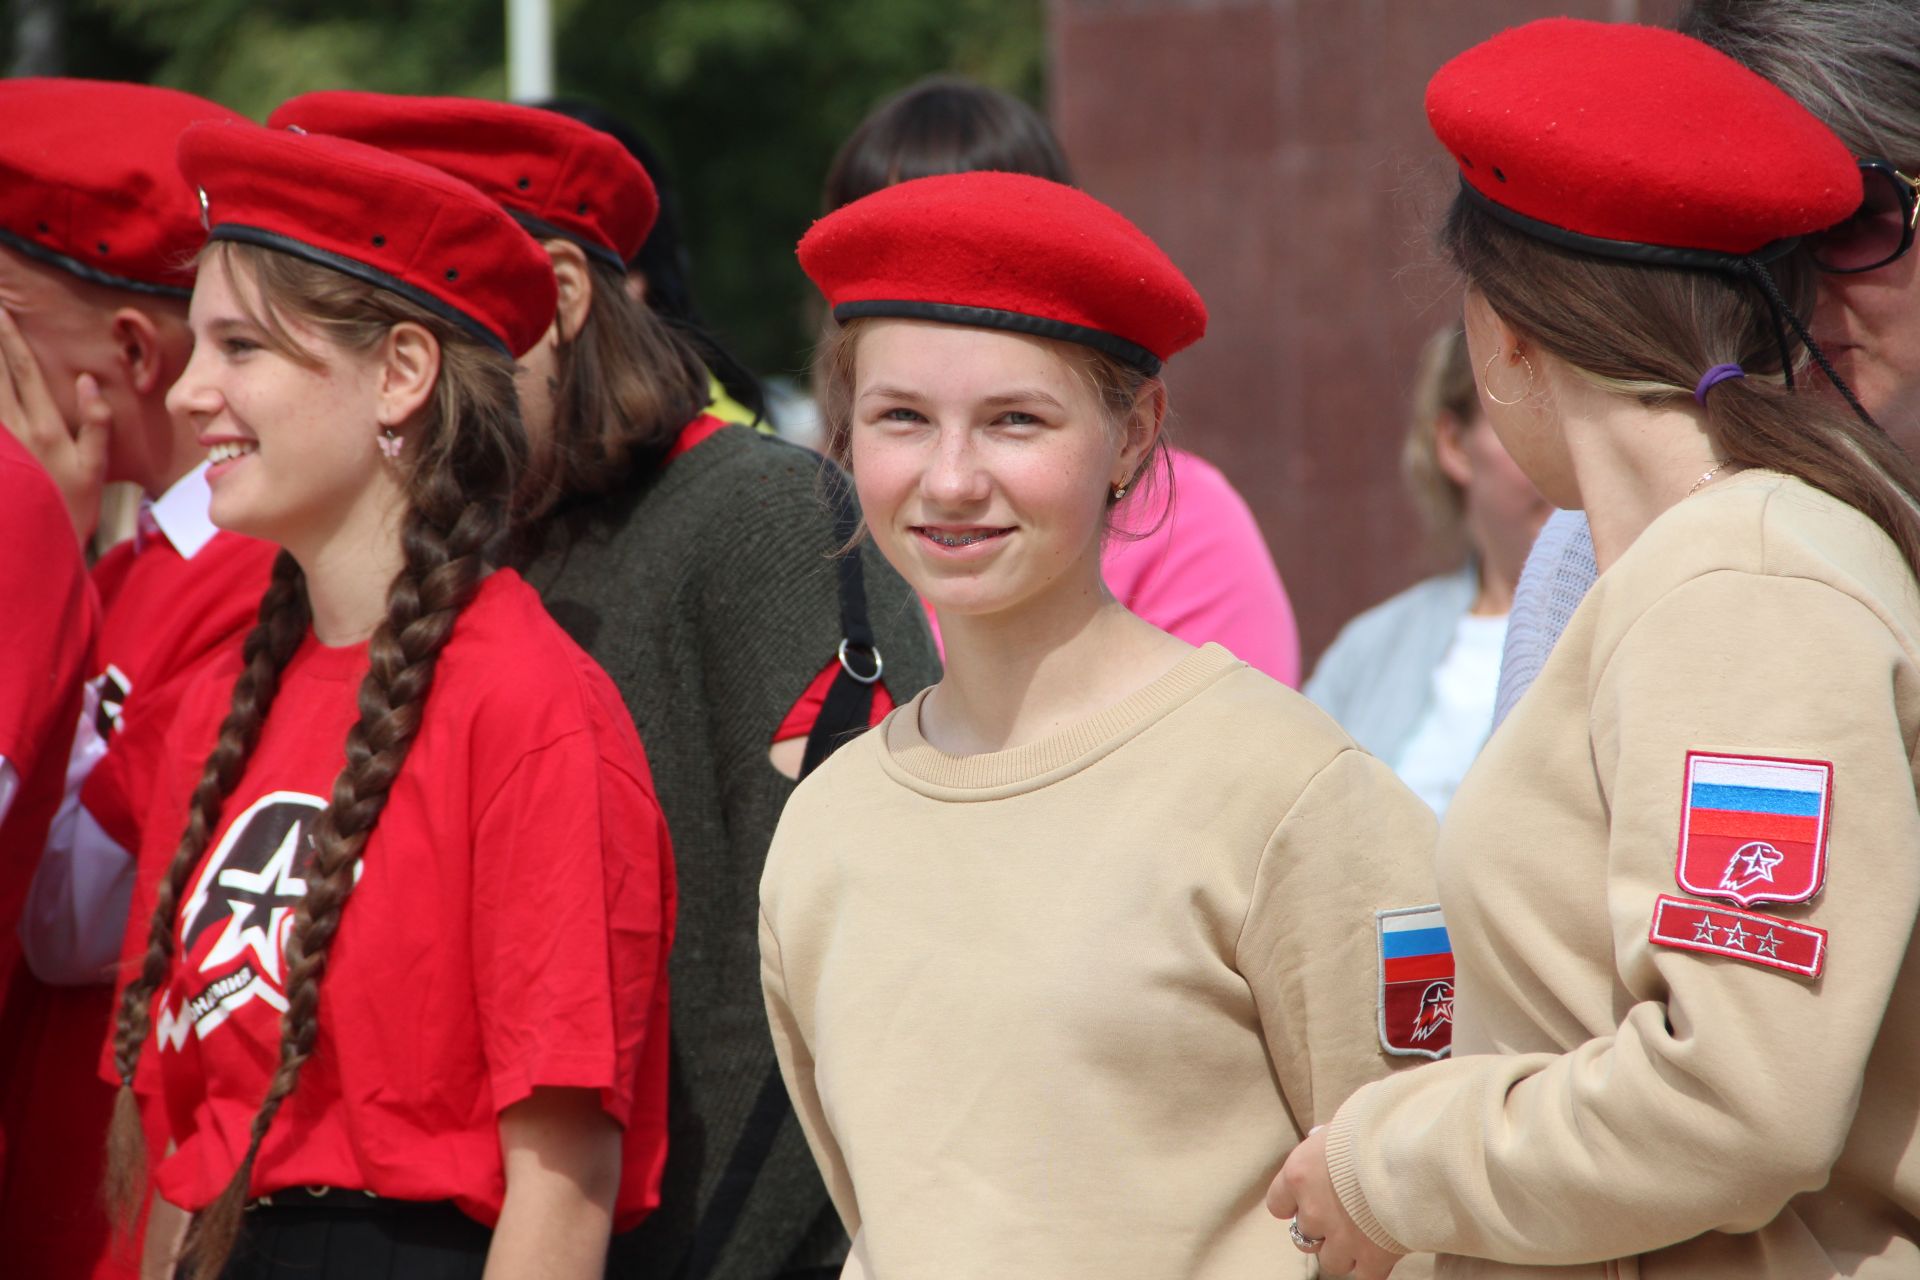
1686	1101
1061	1011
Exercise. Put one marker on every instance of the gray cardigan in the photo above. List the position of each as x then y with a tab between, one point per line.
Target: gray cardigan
1376	678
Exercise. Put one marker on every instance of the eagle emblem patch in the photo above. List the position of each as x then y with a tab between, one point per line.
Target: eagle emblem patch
1416	982
1754	829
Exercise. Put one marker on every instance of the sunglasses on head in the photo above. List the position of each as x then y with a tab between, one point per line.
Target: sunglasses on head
1879	231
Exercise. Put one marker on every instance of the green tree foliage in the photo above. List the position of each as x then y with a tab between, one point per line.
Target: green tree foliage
747	100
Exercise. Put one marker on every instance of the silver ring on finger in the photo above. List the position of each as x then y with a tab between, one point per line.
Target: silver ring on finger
1302	1241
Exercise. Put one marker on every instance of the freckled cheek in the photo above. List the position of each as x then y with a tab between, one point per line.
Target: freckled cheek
885	474
1064	496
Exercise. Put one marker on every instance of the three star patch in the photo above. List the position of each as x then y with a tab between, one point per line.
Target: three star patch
1722	931
1753	829
1416	982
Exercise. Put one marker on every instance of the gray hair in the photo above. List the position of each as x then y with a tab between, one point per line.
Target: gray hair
1853	63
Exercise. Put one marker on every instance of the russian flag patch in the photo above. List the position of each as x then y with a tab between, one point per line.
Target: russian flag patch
1416	982
1753	828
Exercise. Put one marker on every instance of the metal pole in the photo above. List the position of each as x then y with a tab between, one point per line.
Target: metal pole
39	45
529	50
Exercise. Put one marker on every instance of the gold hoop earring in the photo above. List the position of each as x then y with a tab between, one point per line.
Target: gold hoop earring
1486	379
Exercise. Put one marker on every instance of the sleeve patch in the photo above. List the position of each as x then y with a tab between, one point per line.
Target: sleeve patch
1722	931
1754	828
1416	982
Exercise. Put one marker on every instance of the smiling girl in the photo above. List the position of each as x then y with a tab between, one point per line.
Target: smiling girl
479	1041
1062	956
721	633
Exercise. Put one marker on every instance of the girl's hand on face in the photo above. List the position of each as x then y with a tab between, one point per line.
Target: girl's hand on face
1304	1192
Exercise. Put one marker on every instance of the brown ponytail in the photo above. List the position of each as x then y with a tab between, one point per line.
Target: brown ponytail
1649	332
464	456
626	385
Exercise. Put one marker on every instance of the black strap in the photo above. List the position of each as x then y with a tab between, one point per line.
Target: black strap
750	1154
848	707
843	716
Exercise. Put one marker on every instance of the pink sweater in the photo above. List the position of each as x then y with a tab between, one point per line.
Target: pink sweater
1204	574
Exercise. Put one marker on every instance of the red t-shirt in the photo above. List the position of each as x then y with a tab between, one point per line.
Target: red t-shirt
45	646
509	929
165	614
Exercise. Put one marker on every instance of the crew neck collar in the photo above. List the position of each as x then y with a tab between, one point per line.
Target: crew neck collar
914	762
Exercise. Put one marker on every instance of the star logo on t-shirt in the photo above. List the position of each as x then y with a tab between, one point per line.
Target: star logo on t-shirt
273	892
247	891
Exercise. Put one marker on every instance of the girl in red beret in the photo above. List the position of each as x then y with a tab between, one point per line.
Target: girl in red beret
1199	570
692	558
403	990
1681	875
1062	955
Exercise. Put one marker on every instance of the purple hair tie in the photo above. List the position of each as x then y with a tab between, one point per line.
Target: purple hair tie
1714	377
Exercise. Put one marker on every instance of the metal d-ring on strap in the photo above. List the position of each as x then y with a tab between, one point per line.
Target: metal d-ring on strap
848	706
878	664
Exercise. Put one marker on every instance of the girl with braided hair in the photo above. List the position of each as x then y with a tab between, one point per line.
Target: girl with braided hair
696	561
466	1070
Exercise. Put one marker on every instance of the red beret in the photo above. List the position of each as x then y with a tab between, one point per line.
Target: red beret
557	176
1637	142
1005	251
88	181
377	217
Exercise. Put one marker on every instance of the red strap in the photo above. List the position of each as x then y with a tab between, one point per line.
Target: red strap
699	430
799	721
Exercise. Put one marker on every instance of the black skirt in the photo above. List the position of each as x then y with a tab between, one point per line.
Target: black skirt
389	1240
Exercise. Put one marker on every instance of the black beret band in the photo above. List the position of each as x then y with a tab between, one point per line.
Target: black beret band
242	234
54	258
1128	353
547	231
1658	255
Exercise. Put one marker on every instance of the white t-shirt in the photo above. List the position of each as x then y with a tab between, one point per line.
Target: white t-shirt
1460	716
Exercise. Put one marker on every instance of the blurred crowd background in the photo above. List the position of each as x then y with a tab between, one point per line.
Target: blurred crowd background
1276	148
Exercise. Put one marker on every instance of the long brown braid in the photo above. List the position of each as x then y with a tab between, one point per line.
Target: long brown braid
463	456
282	625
